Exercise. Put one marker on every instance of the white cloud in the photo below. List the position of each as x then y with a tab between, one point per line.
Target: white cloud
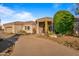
5	10
9	15
23	15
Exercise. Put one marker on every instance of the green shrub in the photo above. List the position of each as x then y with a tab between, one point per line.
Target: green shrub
63	22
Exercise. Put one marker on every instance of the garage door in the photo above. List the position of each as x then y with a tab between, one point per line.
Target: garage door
9	30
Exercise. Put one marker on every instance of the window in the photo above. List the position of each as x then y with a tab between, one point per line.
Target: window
27	27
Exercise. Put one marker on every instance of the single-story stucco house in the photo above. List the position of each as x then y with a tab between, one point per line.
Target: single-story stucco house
39	26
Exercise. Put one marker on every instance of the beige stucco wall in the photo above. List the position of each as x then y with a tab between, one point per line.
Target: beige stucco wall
28	31
17	28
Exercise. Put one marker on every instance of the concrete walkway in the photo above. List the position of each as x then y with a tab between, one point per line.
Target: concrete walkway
29	45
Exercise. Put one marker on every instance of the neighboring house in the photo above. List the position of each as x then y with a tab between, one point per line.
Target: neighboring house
76	26
16	27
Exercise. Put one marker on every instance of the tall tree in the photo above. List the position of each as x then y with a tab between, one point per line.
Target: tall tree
63	22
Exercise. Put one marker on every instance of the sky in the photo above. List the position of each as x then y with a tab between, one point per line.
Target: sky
10	12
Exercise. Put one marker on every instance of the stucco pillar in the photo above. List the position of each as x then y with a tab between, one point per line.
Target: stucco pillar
46	26
13	29
37	27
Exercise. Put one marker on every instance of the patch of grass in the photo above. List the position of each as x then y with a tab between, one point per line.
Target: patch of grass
50	33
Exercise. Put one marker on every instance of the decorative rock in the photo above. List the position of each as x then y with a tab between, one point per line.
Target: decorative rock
54	36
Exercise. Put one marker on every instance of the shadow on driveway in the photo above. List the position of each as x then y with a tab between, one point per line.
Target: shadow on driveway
8	42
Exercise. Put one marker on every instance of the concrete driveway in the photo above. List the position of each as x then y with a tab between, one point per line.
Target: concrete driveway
29	45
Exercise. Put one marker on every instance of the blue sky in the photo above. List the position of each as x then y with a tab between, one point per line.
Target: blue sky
10	12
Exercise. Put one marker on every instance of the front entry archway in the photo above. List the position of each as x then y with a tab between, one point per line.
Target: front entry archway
44	25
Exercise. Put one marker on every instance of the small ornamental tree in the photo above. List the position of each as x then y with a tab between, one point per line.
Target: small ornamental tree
63	22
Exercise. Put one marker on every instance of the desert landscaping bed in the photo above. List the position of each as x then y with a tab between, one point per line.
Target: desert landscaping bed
69	41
